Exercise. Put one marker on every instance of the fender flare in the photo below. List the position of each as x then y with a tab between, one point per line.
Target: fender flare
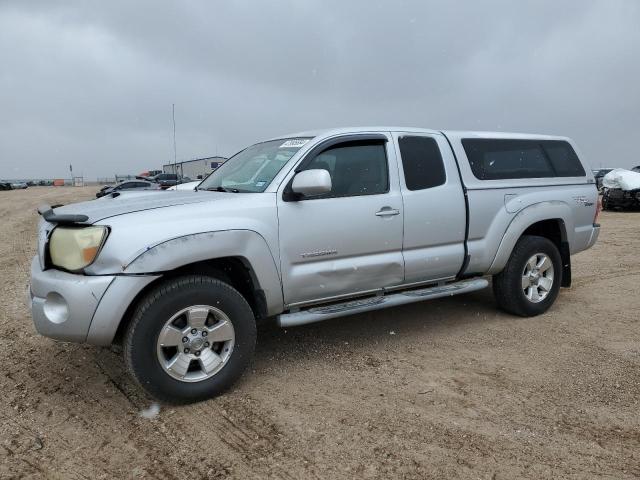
248	245
537	212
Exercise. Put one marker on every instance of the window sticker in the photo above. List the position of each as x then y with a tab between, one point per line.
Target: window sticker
260	184
297	142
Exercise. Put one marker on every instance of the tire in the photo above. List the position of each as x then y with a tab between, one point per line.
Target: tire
509	285
166	316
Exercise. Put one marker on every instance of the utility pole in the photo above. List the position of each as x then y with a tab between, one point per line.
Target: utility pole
175	151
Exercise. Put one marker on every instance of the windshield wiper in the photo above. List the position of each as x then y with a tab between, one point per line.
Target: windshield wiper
222	189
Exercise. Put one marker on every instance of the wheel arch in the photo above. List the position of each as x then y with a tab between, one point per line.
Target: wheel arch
239	257
236	271
247	247
551	220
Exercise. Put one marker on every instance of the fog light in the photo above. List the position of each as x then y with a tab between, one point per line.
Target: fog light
55	308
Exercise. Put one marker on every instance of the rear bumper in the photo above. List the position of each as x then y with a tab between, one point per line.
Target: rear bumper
595	233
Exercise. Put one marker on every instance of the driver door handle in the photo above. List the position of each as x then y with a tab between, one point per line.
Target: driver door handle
387	212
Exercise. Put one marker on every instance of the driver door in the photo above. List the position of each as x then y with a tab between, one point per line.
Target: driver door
349	241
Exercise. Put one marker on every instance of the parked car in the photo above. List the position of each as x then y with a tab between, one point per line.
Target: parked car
128	186
149	173
599	175
166	180
618	199
186	186
621	190
19	185
305	228
5	185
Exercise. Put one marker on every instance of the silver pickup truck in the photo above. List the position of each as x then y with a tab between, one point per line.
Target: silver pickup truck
304	228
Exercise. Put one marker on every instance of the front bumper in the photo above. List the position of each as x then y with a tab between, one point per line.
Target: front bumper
81	308
62	304
618	198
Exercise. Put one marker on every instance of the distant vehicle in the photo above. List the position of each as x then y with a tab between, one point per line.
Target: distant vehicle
149	173
616	198
599	175
621	190
128	186
18	185
186	186
166	180
5	186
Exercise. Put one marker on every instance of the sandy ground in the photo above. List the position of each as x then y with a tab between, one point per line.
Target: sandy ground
444	389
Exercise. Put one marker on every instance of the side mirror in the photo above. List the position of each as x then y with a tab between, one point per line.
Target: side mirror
312	182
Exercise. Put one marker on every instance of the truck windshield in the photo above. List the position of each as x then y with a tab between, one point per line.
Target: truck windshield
253	169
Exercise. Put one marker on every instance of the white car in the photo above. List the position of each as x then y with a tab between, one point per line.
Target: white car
186	186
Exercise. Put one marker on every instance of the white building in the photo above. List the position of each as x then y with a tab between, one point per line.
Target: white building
196	168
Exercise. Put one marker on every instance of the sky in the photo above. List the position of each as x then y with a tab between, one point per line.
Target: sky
92	83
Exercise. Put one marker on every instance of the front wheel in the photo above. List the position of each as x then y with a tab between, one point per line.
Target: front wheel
190	339
530	282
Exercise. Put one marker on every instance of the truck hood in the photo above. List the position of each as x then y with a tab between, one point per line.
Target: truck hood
111	206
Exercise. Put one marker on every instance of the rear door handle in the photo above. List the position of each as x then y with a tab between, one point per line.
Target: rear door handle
387	212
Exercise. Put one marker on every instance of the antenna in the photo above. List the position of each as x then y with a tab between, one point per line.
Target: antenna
173	117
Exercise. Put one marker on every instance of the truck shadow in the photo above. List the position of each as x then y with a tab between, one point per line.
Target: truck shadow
95	371
428	319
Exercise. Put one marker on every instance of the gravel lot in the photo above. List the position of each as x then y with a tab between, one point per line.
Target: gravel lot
445	389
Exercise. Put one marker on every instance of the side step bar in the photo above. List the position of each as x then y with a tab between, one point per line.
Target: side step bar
317	314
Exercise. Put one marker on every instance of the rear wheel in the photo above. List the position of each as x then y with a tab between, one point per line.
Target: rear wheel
530	282
190	339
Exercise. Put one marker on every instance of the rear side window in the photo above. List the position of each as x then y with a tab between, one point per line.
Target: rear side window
563	158
498	159
421	162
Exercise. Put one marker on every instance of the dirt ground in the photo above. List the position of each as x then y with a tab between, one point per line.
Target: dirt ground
450	388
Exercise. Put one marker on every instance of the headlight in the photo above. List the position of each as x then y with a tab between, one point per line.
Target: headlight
74	248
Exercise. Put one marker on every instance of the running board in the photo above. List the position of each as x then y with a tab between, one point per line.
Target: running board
317	314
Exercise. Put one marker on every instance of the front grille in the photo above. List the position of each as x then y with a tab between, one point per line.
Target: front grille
616	193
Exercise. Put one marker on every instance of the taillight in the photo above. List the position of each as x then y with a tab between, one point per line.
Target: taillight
598	210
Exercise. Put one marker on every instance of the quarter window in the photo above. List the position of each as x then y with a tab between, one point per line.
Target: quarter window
421	162
356	168
497	159
564	159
